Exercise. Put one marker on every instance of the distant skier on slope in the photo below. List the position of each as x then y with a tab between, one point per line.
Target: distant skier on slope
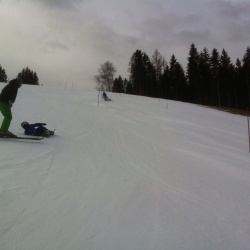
36	129
7	98
105	97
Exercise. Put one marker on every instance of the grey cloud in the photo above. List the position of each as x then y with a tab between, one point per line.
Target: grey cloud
237	32
234	20
232	10
199	37
63	32
171	28
54	45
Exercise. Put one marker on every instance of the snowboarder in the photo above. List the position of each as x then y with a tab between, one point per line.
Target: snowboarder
36	129
105	97
7	98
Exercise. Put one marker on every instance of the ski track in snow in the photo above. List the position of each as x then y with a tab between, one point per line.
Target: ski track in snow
145	173
134	173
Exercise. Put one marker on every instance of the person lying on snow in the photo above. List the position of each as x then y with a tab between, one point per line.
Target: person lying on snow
36	129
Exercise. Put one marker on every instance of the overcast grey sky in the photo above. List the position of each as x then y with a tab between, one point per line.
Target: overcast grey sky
68	40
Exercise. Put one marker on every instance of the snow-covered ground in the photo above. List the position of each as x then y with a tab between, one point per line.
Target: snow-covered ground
135	173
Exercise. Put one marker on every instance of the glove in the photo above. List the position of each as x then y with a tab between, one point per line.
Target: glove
10	103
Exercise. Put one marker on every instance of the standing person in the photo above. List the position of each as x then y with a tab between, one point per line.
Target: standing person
7	98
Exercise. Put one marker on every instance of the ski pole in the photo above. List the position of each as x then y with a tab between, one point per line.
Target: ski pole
98	98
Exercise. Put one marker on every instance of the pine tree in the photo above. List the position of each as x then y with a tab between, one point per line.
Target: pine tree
226	73
193	74
3	76
118	85
246	72
165	83
172	86
205	77
177	79
150	86
129	88
142	75
35	79
136	73
238	82
29	77
215	69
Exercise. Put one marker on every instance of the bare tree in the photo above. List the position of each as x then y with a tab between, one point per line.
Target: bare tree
159	64
105	78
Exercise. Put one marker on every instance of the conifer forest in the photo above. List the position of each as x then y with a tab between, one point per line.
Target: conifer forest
209	79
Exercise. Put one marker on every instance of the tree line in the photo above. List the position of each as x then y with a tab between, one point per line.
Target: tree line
209	79
28	76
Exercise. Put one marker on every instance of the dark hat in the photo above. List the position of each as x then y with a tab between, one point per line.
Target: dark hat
24	124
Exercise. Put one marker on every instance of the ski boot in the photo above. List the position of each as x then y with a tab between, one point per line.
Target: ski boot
7	134
48	133
51	132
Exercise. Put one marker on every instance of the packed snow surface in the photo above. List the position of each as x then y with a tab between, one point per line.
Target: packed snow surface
135	173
